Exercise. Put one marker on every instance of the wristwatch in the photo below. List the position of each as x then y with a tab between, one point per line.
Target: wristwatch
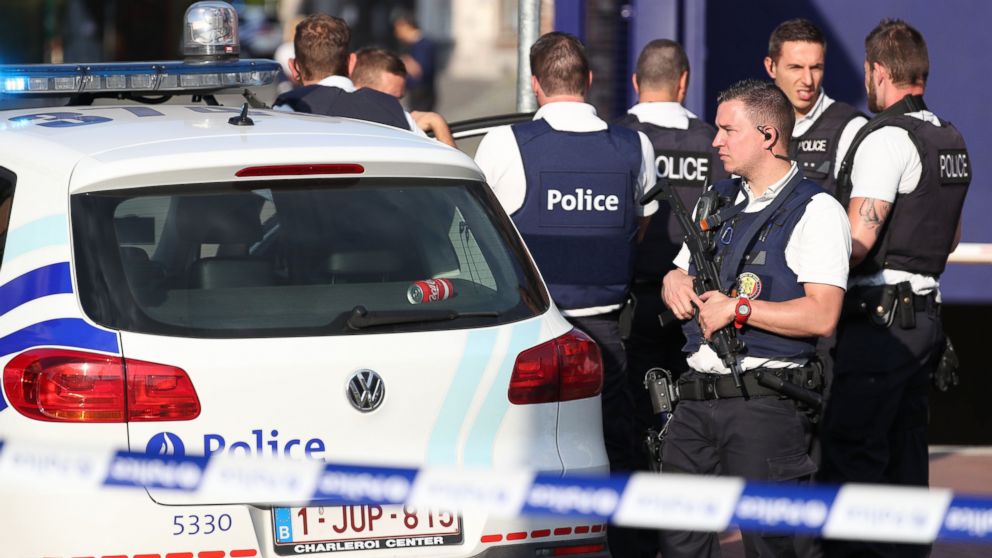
742	312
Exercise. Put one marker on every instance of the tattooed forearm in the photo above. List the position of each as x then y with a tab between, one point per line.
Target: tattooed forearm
874	212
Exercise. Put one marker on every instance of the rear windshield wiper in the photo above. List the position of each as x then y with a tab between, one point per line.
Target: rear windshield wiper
362	318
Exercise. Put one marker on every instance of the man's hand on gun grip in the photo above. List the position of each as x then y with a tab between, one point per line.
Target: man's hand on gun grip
678	294
716	312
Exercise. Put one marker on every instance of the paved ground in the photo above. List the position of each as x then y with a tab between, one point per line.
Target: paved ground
967	470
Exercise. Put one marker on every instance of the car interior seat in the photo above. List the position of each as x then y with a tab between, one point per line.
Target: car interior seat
233	224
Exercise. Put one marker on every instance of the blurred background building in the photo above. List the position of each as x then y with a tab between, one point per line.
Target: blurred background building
476	38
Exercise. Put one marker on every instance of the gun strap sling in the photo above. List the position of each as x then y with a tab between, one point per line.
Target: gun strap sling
732	262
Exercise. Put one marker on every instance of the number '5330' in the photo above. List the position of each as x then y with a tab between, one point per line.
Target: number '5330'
200	524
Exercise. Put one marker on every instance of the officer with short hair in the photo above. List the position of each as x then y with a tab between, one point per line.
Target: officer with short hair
571	183
785	245
382	70
379	69
824	127
906	177
321	65
683	155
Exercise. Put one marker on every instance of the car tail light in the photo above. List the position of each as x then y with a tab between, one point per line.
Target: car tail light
565	368
159	392
73	386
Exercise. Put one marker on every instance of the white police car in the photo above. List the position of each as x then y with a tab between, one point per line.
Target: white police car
202	280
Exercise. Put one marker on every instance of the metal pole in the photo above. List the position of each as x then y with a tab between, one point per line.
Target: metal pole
528	31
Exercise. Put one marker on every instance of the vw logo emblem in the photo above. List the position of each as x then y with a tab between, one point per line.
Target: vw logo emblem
366	391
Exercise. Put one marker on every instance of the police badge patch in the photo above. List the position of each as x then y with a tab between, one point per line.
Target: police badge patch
748	285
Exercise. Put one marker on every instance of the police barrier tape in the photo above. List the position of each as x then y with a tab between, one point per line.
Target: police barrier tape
665	501
971	253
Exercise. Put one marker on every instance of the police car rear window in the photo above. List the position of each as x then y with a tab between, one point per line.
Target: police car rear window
291	258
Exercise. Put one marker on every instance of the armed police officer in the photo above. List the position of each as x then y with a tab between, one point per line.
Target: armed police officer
785	243
905	177
683	155
571	182
321	65
824	127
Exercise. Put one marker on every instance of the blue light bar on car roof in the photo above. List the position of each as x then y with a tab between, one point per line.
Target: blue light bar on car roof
134	77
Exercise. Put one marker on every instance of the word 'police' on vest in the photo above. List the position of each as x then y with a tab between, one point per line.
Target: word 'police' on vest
813	145
582	200
681	167
954	164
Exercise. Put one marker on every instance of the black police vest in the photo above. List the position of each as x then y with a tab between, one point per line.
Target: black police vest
689	161
579	217
919	233
361	104
816	151
751	252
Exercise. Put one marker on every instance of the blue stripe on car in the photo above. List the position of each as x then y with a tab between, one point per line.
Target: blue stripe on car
44	281
62	332
442	448
37	283
482	436
40	233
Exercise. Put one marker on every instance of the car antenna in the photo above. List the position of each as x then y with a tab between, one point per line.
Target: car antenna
242	119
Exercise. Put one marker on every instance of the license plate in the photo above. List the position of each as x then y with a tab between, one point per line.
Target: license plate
349	528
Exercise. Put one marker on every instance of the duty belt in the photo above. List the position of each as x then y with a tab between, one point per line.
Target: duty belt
722	387
884	303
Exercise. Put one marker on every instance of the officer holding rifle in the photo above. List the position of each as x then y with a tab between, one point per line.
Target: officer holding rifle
780	256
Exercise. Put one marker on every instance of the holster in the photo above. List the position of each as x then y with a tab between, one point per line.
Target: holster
626	319
884	303
876	302
905	303
661	390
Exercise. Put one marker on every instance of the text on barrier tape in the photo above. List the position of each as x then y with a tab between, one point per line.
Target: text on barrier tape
666	501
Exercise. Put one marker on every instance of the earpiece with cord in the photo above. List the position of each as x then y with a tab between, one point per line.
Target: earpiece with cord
763	129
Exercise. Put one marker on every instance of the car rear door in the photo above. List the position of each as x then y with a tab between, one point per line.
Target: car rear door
252	293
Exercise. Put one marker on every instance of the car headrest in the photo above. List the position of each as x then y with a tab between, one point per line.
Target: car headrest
364	262
225	219
226	273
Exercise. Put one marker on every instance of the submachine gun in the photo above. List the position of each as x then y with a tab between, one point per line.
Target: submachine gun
701	241
700	238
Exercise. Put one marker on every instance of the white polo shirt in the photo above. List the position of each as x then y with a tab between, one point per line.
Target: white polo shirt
887	163
846	137
666	114
499	158
818	251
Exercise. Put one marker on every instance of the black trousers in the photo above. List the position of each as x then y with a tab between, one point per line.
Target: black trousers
618	429
762	439
875	423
